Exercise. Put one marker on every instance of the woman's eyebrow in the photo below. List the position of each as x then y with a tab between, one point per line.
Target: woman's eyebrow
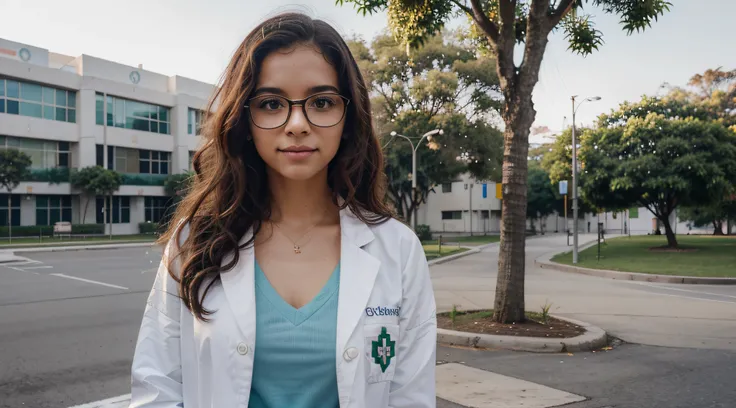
279	91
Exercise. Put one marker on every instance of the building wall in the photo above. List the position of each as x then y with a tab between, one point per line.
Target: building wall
88	75
465	192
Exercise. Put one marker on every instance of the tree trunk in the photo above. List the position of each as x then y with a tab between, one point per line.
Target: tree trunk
84	215
717	227
671	239
509	302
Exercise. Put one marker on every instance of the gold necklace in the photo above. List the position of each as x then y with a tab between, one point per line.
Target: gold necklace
297	247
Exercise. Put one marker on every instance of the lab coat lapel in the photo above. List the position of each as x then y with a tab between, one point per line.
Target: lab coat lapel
358	270
239	286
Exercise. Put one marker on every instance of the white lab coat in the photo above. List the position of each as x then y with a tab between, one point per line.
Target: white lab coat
384	283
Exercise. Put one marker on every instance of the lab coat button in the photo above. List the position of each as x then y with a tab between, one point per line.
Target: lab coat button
351	353
242	349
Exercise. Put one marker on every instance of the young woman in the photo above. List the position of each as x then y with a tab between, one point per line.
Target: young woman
286	283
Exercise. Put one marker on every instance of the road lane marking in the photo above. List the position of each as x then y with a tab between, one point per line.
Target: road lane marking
61	275
681	290
37	267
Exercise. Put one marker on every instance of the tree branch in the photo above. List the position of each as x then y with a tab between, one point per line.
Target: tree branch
537	30
480	18
560	12
462	7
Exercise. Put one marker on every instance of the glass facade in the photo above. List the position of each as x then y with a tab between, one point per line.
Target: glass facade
194	121
120	210
155	208
53	208
135	161
38	101
129	114
14	210
44	154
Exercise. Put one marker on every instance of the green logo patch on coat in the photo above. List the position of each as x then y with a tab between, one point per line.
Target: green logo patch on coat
383	350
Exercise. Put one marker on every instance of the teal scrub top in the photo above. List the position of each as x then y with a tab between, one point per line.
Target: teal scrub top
294	362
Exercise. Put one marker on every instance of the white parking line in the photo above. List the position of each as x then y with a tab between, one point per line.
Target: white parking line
61	275
115	402
681	290
38	267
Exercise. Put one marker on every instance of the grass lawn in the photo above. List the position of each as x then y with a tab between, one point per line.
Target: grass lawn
711	256
28	242
433	251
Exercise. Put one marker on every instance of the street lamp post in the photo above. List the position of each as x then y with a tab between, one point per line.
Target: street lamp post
414	149
575	177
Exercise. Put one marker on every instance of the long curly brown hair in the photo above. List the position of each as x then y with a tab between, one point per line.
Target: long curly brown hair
229	194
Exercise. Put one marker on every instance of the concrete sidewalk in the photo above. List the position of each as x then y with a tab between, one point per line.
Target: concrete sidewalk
697	316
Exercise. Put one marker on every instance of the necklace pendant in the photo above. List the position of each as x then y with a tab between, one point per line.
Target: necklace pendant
297	250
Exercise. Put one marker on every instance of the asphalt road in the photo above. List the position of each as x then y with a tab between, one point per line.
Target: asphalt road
630	376
69	323
65	341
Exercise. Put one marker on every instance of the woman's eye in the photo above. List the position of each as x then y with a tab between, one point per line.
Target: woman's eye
270	104
323	103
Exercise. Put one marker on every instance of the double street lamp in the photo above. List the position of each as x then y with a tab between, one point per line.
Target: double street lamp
575	177
414	149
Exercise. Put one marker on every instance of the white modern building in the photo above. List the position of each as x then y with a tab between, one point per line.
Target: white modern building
73	112
464	205
460	206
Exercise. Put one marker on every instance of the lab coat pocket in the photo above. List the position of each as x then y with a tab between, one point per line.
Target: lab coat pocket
381	344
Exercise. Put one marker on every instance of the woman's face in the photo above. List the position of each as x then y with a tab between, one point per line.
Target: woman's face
301	147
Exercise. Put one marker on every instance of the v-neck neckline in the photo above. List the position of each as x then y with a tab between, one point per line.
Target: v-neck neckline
302	314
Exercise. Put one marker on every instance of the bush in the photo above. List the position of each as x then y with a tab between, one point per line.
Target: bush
147	227
424	232
88	229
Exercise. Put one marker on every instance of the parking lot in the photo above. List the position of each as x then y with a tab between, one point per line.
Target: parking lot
69	323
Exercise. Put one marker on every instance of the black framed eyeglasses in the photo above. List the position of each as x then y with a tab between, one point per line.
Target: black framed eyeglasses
273	111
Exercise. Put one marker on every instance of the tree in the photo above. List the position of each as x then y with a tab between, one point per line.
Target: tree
96	181
14	166
638	156
500	26
542	198
444	86
176	187
556	160
713	92
713	215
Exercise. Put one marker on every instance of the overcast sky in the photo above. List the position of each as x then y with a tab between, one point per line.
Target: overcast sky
196	38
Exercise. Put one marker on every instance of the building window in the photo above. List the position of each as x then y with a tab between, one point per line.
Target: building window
485	214
100	155
44	154
194	122
51	209
120	210
14	210
447	187
154	162
452	215
43	102
155	208
129	114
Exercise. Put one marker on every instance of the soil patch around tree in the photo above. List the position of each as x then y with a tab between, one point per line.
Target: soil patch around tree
536	325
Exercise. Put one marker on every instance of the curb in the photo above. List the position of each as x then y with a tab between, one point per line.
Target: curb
545	263
81	247
453	257
593	339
